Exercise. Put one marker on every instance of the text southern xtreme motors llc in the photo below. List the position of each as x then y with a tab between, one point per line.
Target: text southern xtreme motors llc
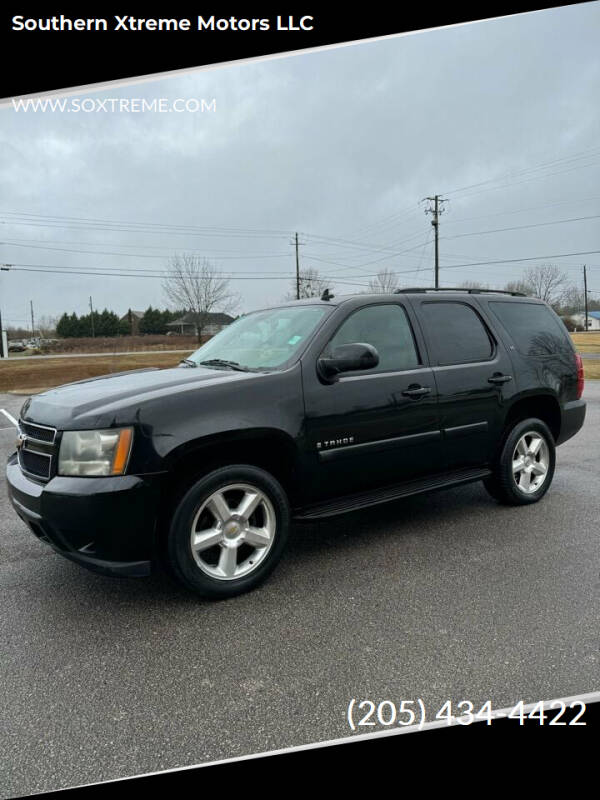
127	23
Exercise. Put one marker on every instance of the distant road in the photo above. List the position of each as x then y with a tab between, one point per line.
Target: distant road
106	355
439	596
153	352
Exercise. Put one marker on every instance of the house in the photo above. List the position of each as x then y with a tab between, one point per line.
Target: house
593	320
186	325
133	319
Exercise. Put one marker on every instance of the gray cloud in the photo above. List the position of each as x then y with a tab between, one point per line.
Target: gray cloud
340	144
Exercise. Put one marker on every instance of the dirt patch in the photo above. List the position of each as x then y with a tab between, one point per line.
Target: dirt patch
123	344
47	372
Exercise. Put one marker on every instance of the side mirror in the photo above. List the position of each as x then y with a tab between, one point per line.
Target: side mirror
347	358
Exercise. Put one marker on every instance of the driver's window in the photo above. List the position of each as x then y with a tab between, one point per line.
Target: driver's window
387	328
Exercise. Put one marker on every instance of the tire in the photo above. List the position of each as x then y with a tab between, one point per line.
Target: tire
228	531
525	467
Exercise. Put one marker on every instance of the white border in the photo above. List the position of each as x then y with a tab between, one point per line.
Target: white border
590	697
119	82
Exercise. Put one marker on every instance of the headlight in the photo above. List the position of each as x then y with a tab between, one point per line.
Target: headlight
95	452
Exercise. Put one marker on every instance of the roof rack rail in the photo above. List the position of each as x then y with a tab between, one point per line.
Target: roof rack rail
417	289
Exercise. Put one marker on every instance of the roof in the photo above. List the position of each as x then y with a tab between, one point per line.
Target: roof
593	314
212	318
138	314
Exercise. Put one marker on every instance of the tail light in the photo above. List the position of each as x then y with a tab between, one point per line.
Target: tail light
580	379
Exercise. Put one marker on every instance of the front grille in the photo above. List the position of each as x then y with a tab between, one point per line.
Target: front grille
35	463
40	433
37	449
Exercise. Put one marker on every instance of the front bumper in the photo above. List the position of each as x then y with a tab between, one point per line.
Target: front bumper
107	525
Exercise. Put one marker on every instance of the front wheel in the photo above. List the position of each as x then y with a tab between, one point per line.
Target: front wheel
525	468
229	531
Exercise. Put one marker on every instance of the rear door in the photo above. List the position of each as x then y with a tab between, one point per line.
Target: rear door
473	375
375	427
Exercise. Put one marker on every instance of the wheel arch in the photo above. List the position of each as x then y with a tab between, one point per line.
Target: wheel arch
542	405
267	448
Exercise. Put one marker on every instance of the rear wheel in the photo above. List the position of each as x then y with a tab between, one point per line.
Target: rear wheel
525	468
229	531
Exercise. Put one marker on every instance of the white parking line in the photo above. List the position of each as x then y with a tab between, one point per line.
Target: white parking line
9	417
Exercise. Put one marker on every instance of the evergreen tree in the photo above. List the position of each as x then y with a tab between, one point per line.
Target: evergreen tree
63	327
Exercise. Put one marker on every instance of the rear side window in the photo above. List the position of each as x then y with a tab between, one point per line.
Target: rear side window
387	328
533	327
456	333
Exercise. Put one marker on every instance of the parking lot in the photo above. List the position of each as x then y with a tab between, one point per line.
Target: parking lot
446	596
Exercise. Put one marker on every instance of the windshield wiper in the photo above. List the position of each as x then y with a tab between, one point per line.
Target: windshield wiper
189	362
221	362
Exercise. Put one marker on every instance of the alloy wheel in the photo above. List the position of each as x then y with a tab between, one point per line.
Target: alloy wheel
233	531
531	462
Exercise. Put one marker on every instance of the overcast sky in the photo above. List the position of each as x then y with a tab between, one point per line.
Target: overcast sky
340	145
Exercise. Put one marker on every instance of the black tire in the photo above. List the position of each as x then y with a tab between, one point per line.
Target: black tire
503	484
190	569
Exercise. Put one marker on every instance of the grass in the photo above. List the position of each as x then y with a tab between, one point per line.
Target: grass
587	342
591	368
43	373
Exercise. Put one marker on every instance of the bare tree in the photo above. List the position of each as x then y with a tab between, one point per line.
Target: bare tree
572	300
193	283
474	285
47	326
385	282
311	285
547	281
519	286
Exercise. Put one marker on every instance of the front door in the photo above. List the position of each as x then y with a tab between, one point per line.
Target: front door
376	427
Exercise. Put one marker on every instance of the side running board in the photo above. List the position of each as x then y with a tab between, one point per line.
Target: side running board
353	502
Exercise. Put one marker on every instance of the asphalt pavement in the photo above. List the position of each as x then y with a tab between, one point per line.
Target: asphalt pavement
441	597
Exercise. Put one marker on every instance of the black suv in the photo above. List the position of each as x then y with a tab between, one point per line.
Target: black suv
306	410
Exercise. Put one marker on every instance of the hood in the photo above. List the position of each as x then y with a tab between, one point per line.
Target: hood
110	399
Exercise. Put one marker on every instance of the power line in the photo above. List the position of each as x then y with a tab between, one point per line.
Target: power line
510	260
132	224
148	230
169	248
54	269
577	201
522	227
582	154
134	255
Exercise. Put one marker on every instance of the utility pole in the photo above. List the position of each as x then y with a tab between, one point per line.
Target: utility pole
3	336
3	350
32	320
297	270
436	211
92	317
585	298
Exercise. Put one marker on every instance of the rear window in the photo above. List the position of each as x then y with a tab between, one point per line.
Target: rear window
456	333
533	327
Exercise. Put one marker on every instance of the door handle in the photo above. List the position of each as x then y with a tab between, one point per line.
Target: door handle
498	378
416	391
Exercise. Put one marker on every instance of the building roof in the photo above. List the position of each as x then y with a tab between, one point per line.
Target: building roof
593	314
216	318
138	314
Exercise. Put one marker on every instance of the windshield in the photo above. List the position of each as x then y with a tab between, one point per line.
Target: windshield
261	340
